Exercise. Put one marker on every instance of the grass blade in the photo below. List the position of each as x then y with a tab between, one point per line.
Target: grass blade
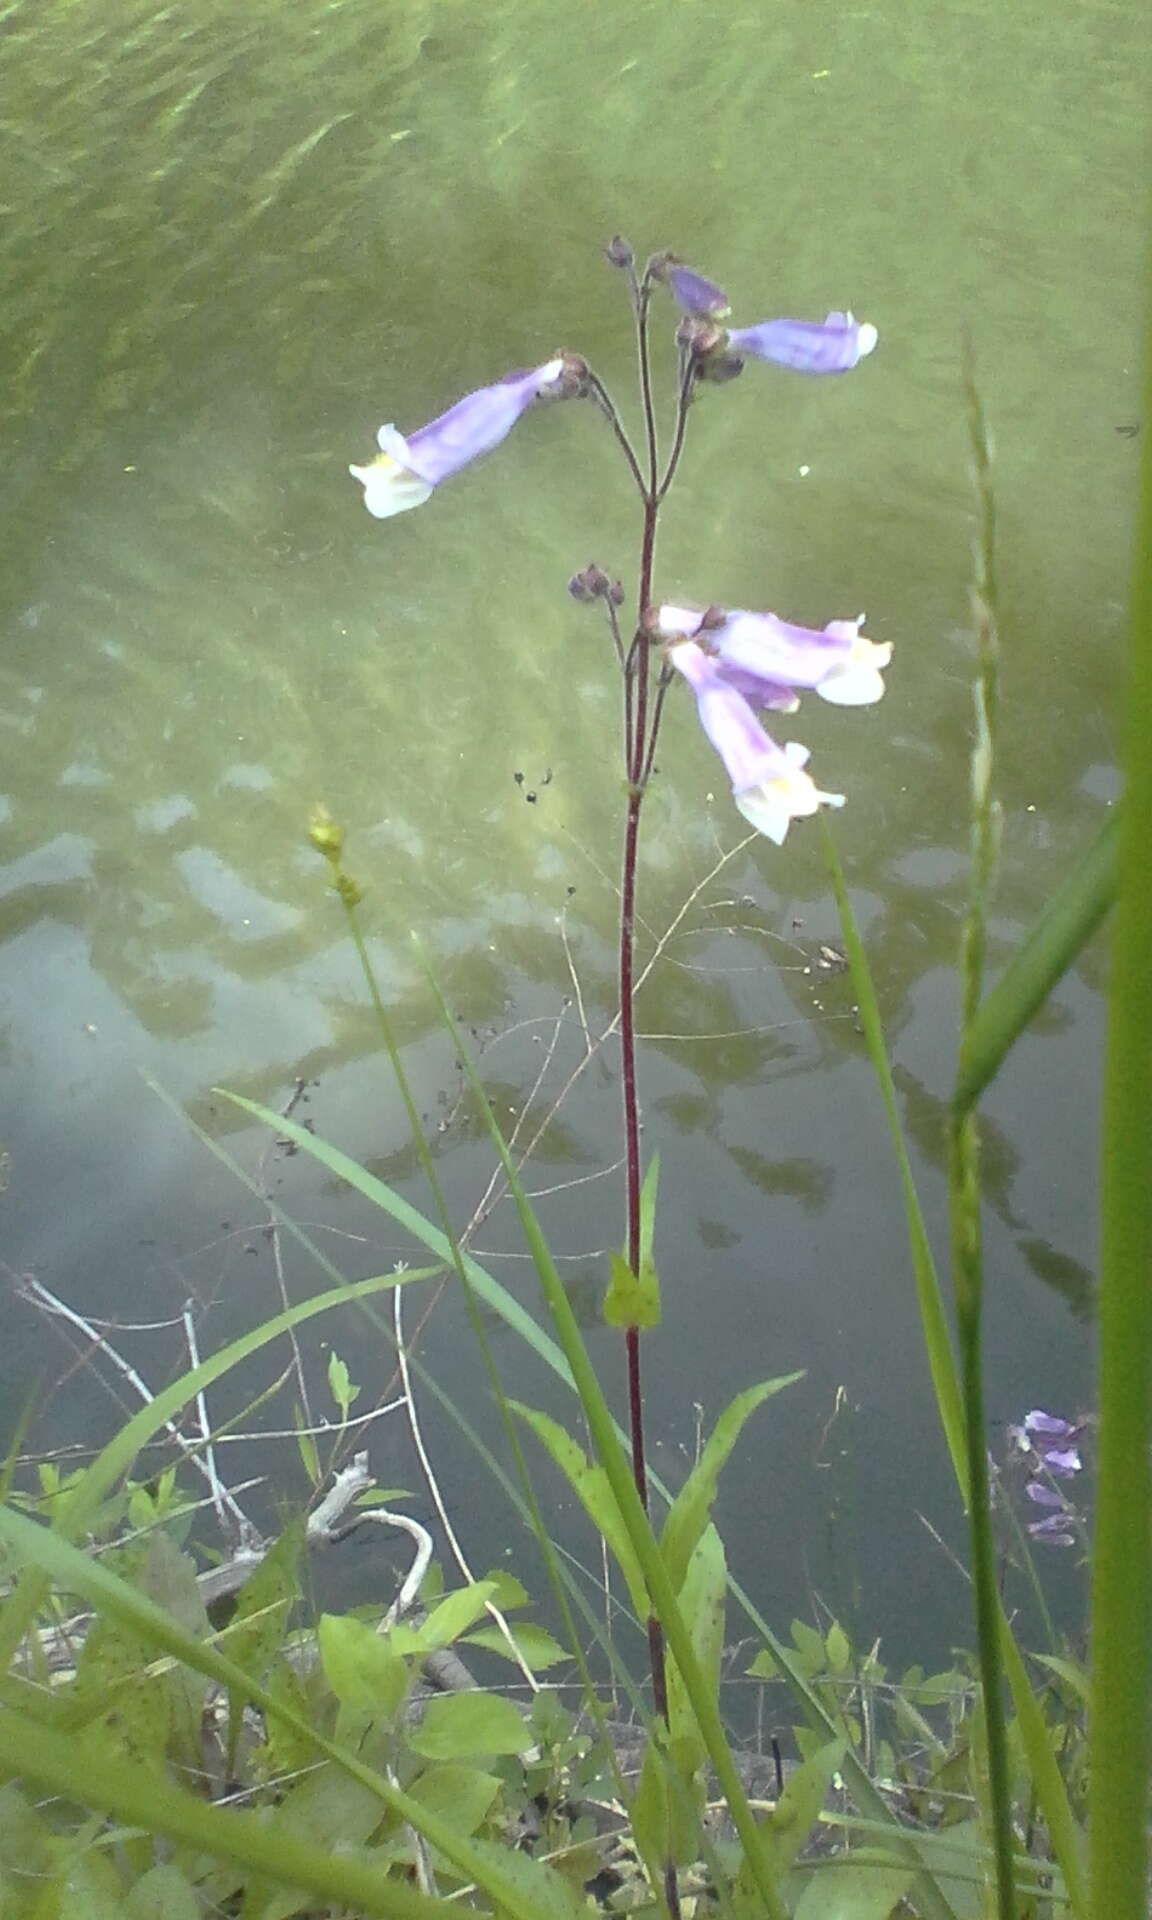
619	1474
1066	925
137	1796
929	1296
1121	1598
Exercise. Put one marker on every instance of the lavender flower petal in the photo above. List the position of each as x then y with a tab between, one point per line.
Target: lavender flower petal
840	663
1043	1496
693	293
1053	1531
405	471
1063	1462
806	345
769	785
1049	1423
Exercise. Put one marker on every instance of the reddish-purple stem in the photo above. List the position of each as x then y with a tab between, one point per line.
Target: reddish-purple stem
641	728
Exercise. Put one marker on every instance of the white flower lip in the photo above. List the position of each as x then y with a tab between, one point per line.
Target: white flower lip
390	488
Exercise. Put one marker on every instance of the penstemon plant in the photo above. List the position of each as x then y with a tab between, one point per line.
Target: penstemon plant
738	663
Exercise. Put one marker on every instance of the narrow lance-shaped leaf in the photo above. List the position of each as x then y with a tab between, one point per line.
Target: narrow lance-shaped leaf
693	1504
702	1600
1048	949
591	1487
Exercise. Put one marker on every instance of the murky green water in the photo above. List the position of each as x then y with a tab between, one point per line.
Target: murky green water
233	242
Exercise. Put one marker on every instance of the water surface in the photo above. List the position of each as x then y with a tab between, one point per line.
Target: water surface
233	244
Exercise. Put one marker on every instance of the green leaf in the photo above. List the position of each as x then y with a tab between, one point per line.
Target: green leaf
809	1645
162	1894
134	1706
855	1889
837	1649
591	1487
632	1300
702	1597
340	1384
764	1667
56	1760
26	1844
255	1634
507	1591
536	1648
799	1805
329	1809
360	1666
692	1506
1071	1672
665	1812
142	1797
648	1210
463	1795
306	1447
89	1888
541	1890
458	1724
454	1615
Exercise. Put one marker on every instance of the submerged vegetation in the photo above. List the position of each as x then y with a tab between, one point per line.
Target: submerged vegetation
184	1738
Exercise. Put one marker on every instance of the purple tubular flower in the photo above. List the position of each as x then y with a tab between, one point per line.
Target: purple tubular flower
1053	1531
1043	1496
767	659
769	785
1048	1423
1063	1462
806	345
405	471
694	294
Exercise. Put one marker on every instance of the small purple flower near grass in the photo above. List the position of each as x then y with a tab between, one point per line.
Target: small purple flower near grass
1046	1442
407	470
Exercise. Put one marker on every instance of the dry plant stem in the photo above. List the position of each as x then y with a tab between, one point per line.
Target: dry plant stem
273	1231
214	1480
222	1500
433	1486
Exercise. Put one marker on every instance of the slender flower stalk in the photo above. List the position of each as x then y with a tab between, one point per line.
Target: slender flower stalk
737	663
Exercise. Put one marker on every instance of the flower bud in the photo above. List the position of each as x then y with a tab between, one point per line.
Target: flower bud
325	835
692	293
618	253
592	584
720	368
570	383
